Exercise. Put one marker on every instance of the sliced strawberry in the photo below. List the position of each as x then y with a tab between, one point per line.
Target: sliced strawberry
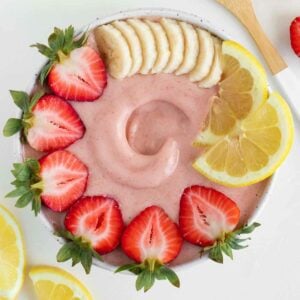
57	179
48	122
56	125
64	179
152	234
75	71
80	77
208	218
152	239
94	225
98	220
206	215
295	35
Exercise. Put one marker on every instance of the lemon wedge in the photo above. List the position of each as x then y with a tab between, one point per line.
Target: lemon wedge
12	257
52	283
253	149
242	90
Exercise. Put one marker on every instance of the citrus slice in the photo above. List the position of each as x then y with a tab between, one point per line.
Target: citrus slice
254	149
243	89
12	258
52	283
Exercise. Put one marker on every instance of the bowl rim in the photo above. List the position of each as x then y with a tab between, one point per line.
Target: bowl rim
140	13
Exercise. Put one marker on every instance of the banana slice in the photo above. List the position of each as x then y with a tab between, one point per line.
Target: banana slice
162	46
205	56
176	42
215	73
114	50
134	45
191	48
147	40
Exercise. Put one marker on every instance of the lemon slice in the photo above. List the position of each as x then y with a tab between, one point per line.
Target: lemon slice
55	284
12	258
254	149
242	90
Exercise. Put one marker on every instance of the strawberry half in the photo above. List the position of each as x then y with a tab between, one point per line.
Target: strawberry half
48	122
208	218
75	72
57	179
94	226
152	239
295	35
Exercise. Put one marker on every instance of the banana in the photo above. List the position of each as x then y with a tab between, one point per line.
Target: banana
215	73
162	46
133	43
145	46
176	42
147	40
114	50
205	56
191	48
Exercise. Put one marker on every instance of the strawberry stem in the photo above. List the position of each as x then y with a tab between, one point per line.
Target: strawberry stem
151	263
38	185
28	120
61	56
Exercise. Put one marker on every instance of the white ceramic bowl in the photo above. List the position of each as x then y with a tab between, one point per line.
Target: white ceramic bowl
155	12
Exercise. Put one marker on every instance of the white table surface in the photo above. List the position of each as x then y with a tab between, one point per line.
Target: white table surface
269	268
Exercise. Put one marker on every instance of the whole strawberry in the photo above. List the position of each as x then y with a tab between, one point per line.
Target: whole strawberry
74	71
47	123
152	240
57	179
208	218
295	35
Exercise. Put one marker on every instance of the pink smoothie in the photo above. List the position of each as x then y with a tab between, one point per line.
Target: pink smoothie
138	148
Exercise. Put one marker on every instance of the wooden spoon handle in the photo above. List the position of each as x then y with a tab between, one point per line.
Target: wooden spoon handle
244	11
271	55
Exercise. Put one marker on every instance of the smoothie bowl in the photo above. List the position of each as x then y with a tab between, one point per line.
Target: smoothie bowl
148	142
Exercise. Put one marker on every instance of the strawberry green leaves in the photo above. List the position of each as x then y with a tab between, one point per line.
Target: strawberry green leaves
149	271
25	103
60	44
231	241
21	99
12	126
76	249
28	187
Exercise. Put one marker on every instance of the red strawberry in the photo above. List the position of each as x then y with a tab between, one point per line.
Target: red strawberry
295	35
75	72
64	179
97	219
152	239
94	224
206	214
57	179
56	124
207	218
49	123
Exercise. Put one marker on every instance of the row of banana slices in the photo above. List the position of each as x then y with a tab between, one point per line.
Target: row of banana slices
165	46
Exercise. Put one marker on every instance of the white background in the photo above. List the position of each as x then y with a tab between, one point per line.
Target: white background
270	267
